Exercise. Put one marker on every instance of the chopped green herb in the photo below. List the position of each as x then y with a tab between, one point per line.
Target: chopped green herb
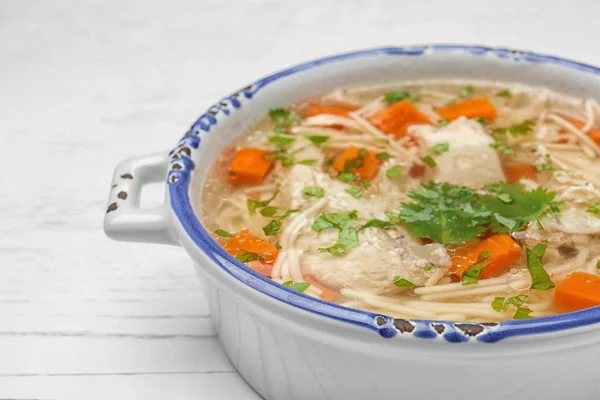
313	191
282	116
471	275
223	233
362	152
522	313
352	164
595	209
272	228
524	207
333	220
501	304
505	198
517	130
540	280
366	184
502	148
598	264
377	223
253	205
429	161
347	177
428	267
308	161
482	121
382	141
328	163
317	140
484	255
401	282
397	96
443	122
467	90
545	167
393	172
277	246
247	256
281	141
286	158
287	214
268	211
298	286
383	156
393	217
355	192
439	148
504	93
347	239
446	213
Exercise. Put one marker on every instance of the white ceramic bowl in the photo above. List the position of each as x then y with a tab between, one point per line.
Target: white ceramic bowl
291	346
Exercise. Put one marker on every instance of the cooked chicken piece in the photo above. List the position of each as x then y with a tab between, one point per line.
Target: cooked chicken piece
372	265
469	161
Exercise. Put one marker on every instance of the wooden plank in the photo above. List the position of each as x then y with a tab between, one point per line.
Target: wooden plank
192	386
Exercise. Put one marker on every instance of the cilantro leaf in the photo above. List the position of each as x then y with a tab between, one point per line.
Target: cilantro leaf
282	116
540	280
502	148
595	209
401	282
272	228
517	130
393	172
467	90
313	191
397	96
393	217
298	286
471	275
512	208
376	223
443	122
317	140
347	177
247	256
504	93
355	192
347	239
268	211
446	213
308	161
333	220
502	304
253	205
429	161
223	233
286	158
281	141
546	167
482	121
439	148
383	156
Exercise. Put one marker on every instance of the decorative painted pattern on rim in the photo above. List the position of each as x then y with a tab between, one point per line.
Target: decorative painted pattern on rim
179	180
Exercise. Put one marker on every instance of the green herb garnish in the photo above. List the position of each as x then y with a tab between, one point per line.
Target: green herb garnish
401	282
281	141
253	205
393	172
397	96
439	148
366	183
347	239
540	280
333	220
595	209
308	161
247	256
443	122
471	275
377	223
484	255
223	233
268	211
347	177
467	90
298	286
502	148
272	228
482	121
317	140
517	130
313	191
545	167
504	93
383	156
355	192
428	267
429	161
282	118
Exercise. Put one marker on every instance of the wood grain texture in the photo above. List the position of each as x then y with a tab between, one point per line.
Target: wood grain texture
86	84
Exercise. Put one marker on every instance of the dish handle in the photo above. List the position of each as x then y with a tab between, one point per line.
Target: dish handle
124	219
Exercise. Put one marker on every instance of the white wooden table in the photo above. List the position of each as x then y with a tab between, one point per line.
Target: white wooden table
84	85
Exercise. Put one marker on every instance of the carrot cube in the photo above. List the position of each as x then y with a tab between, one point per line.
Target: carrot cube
470	108
249	167
370	165
579	290
397	118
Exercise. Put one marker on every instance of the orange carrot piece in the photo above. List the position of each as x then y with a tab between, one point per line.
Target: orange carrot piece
516	172
327	295
397	118
313	110
579	290
504	251
370	162
245	241
263	269
249	167
470	108
593	133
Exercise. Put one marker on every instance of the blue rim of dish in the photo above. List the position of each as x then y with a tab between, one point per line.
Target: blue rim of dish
455	332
